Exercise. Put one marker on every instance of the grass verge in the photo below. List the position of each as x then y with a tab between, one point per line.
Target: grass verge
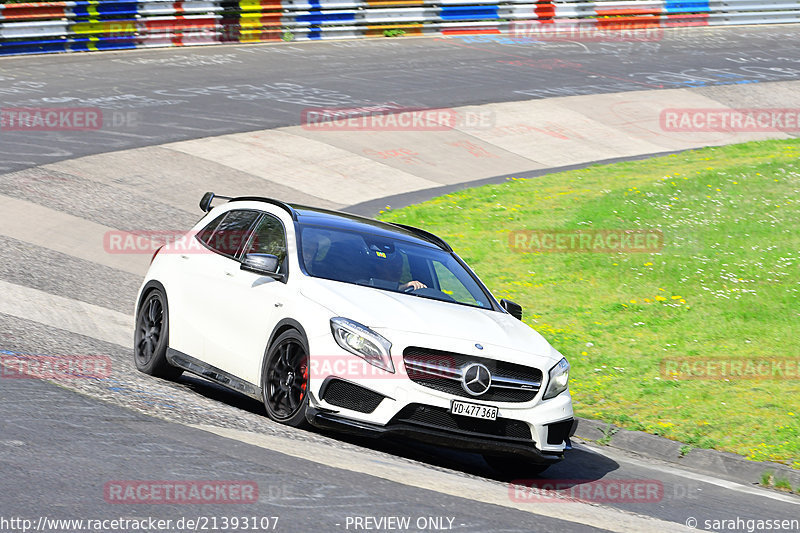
724	286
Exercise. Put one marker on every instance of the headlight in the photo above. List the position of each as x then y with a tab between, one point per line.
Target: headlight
362	341
559	379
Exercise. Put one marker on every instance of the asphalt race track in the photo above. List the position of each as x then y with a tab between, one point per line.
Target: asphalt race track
60	445
189	93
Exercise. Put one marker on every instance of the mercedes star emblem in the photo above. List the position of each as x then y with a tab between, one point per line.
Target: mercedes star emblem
476	379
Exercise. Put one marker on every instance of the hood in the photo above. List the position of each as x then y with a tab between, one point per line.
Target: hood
391	311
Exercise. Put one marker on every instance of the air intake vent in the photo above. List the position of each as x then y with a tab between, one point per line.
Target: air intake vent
351	396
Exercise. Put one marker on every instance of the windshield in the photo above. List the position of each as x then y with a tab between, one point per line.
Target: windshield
389	264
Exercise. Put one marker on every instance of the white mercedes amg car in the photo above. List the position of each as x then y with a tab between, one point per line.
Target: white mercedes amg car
354	325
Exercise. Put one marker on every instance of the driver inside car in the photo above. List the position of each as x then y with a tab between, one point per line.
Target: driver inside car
387	270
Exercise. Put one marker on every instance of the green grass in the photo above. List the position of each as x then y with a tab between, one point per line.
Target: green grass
724	285
770	480
783	484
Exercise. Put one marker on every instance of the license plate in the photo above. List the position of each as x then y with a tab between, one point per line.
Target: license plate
485	412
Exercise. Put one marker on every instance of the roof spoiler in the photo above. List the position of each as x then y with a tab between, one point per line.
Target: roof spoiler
426	235
205	201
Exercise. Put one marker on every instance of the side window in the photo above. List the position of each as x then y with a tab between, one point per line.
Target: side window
228	234
205	234
269	238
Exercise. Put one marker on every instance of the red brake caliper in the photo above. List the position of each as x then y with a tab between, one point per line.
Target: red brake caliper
304	368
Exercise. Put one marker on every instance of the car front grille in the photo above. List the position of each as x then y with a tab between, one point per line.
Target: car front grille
441	418
442	371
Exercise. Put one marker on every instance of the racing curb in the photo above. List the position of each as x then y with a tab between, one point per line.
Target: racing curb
723	464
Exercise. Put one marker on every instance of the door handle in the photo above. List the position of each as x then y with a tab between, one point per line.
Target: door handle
229	274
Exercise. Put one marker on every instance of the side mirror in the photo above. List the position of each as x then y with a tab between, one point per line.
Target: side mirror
264	264
514	309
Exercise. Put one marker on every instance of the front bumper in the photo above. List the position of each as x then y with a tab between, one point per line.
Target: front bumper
370	401
465	441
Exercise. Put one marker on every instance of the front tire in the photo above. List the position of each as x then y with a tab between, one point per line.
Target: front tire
151	337
284	380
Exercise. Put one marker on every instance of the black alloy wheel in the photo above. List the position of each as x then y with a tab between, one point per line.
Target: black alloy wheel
285	379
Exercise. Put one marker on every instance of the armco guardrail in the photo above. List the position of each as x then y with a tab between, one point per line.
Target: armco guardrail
85	25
